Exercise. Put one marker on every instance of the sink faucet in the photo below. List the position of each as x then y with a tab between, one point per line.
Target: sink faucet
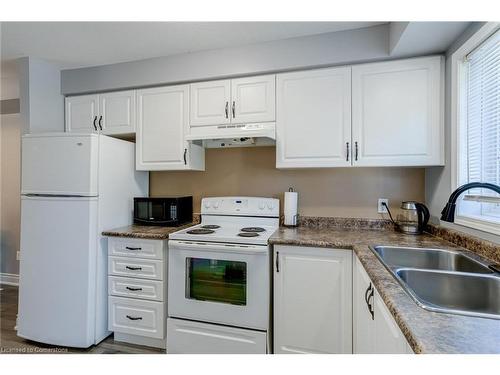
448	213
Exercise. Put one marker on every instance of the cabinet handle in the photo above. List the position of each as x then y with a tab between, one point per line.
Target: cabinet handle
133	248
95	126
277	261
368	295
100	125
356	151
234	109
133	268
227	109
134	317
347	151
133	289
185	156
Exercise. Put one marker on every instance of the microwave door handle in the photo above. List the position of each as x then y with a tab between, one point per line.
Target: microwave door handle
155	221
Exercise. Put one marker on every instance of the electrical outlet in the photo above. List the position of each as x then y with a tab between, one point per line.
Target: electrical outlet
18	255
381	208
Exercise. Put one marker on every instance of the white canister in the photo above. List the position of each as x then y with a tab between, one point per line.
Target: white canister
290	210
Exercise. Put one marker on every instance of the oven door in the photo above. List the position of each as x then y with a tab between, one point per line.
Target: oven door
219	283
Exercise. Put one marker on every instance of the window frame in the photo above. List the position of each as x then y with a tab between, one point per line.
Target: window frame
459	114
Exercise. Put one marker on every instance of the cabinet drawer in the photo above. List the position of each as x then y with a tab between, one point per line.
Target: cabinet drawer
136	317
135	288
142	268
137	248
189	337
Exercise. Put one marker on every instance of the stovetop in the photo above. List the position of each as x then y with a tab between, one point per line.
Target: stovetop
239	220
227	233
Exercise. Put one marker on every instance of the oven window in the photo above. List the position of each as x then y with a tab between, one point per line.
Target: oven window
217	280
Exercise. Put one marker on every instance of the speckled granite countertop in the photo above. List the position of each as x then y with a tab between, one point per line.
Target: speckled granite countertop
426	332
147	232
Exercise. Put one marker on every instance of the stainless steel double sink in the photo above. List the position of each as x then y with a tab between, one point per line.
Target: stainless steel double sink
446	281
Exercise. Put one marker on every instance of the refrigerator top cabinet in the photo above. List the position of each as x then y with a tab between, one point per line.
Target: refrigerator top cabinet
60	164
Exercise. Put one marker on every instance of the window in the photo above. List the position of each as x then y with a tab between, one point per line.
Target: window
479	133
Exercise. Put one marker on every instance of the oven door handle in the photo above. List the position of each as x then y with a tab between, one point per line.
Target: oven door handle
217	247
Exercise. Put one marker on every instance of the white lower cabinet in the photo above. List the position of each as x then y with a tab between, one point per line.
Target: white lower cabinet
189	337
137	291
137	317
374	328
312	300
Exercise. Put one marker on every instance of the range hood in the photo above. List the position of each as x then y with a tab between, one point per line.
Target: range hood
238	135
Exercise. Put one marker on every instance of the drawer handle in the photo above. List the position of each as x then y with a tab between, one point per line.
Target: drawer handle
133	289
133	248
134	317
133	268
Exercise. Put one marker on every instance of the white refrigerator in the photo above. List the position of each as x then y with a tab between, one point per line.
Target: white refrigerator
74	186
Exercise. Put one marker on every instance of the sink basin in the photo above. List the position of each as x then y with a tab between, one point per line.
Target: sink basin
451	292
435	259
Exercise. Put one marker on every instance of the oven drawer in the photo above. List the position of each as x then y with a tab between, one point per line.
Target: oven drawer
135	288
188	337
136	317
142	268
136	248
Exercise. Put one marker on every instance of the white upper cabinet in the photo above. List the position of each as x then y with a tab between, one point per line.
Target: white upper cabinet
313	121
82	113
162	121
111	113
397	117
210	103
253	99
312	300
237	101
117	112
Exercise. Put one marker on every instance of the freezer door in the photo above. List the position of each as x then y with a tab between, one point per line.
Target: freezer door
60	164
58	270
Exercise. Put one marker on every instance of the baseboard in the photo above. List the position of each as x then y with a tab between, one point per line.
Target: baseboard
9	279
140	340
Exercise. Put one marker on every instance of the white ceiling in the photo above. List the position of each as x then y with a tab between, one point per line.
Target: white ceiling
78	44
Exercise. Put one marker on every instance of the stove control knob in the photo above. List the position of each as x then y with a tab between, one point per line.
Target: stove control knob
270	205
262	205
215	204
207	204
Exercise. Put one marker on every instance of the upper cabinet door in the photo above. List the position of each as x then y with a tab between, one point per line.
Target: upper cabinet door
162	120
210	103
82	113
313	122
117	112
253	99
397	117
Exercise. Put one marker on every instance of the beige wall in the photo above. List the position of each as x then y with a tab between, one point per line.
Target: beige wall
341	192
10	203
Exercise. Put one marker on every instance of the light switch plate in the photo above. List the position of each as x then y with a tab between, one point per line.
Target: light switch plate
381	208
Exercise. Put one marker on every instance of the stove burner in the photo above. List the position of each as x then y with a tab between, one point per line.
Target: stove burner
200	231
210	226
252	230
248	234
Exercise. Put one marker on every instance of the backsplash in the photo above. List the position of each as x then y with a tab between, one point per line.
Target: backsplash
338	192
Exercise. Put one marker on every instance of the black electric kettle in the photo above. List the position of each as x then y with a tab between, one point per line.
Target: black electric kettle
413	217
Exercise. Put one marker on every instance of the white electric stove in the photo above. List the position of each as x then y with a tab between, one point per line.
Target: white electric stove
219	278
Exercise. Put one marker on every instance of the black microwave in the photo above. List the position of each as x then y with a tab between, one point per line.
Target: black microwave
166	211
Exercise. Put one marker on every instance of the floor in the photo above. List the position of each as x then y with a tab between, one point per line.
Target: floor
11	343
